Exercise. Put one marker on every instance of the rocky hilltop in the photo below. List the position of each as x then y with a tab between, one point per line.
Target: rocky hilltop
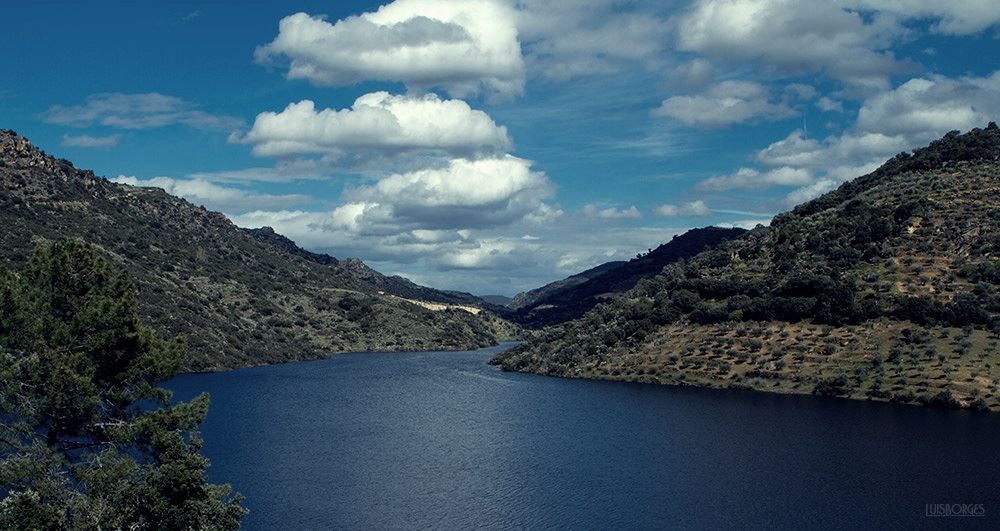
887	288
240	297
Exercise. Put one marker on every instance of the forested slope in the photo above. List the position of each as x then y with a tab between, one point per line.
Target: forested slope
239	299
887	288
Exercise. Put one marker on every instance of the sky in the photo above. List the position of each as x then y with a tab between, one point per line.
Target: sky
493	146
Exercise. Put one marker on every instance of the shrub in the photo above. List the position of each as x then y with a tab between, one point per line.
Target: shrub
836	386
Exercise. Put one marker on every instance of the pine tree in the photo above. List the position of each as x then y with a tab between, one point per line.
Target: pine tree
88	440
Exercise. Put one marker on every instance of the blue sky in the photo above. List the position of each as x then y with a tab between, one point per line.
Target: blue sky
494	145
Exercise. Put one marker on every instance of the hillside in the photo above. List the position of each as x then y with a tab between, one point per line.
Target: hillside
355	268
887	288
531	298
499	300
240	297
571	298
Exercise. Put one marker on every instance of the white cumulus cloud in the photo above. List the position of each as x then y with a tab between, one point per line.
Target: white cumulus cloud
424	211
463	194
792	36
464	47
909	116
927	106
377	122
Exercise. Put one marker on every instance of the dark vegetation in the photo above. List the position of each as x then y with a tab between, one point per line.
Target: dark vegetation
530	299
499	300
88	440
571	298
911	246
241	298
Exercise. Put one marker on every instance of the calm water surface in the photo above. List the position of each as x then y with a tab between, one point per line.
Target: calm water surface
442	440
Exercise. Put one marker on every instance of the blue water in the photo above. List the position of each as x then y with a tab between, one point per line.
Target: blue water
442	440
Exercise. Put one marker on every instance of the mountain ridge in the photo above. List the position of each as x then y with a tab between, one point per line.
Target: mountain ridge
532	296
393	284
884	289
239	300
572	297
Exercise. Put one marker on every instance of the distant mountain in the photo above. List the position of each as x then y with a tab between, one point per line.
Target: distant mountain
357	269
572	297
887	288
529	299
499	300
241	297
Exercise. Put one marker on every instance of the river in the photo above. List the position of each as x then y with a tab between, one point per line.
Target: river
442	440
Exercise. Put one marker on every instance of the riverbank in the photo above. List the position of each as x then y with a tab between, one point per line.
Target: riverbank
879	361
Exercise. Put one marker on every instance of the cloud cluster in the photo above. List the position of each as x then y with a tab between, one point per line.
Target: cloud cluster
459	175
457	187
563	39
465	194
488	253
369	228
464	47
440	189
506	259
749	178
925	106
906	117
792	36
964	17
378	122
474	46
137	111
725	103
687	210
593	211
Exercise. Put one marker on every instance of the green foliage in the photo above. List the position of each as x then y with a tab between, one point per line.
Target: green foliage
87	438
942	399
836	386
988	271
916	241
240	297
571	298
976	145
